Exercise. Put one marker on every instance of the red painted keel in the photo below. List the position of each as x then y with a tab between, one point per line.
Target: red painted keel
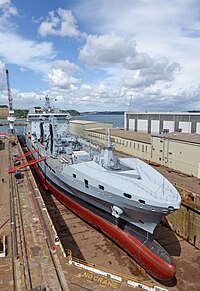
152	263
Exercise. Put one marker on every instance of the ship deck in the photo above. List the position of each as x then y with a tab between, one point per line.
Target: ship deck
57	162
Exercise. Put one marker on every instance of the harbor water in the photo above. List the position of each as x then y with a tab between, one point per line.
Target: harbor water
116	119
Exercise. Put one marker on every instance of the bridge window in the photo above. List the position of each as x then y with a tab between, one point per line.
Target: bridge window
141	201
127	195
86	183
74	175
101	187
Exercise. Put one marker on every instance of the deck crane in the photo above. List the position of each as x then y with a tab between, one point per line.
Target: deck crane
11	116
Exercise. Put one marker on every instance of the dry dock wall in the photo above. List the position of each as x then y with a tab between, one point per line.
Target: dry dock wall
186	221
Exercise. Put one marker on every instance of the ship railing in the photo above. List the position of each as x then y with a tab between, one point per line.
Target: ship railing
140	185
156	194
161	185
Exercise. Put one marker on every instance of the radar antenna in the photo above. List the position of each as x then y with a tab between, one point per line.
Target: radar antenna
47	105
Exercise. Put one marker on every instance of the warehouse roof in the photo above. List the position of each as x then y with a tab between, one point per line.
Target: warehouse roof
145	137
187	137
125	134
82	121
163	113
77	121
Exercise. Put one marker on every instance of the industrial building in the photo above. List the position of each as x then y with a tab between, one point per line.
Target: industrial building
79	127
132	143
3	113
158	122
179	151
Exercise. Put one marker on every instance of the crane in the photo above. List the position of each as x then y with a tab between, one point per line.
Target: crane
11	116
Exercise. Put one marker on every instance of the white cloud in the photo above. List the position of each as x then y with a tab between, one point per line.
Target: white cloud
139	69
4	3
61	74
60	79
27	53
160	70
106	49
2	73
61	24
6	11
15	49
161	29
65	66
139	61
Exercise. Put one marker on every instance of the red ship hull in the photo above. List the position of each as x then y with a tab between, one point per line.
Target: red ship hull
152	263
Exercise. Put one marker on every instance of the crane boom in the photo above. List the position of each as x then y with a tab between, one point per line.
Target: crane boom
11	116
9	92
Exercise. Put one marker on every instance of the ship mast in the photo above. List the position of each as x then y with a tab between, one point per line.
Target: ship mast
47	105
11	117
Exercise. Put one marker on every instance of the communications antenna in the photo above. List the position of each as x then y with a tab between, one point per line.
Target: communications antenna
11	117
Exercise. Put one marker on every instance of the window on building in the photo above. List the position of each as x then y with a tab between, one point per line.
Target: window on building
142	148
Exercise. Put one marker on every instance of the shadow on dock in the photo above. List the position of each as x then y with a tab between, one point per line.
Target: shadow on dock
62	229
167	239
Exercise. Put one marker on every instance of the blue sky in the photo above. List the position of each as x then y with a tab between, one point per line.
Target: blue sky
99	55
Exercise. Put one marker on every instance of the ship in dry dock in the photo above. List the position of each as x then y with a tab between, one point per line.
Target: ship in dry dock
123	197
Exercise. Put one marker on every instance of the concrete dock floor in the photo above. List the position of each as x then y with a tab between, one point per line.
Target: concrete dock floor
40	261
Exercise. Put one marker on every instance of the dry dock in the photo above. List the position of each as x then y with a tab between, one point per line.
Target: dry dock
82	258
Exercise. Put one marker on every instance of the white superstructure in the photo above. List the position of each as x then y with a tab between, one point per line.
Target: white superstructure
124	188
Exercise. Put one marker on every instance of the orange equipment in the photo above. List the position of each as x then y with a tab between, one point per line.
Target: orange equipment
26	154
30	163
